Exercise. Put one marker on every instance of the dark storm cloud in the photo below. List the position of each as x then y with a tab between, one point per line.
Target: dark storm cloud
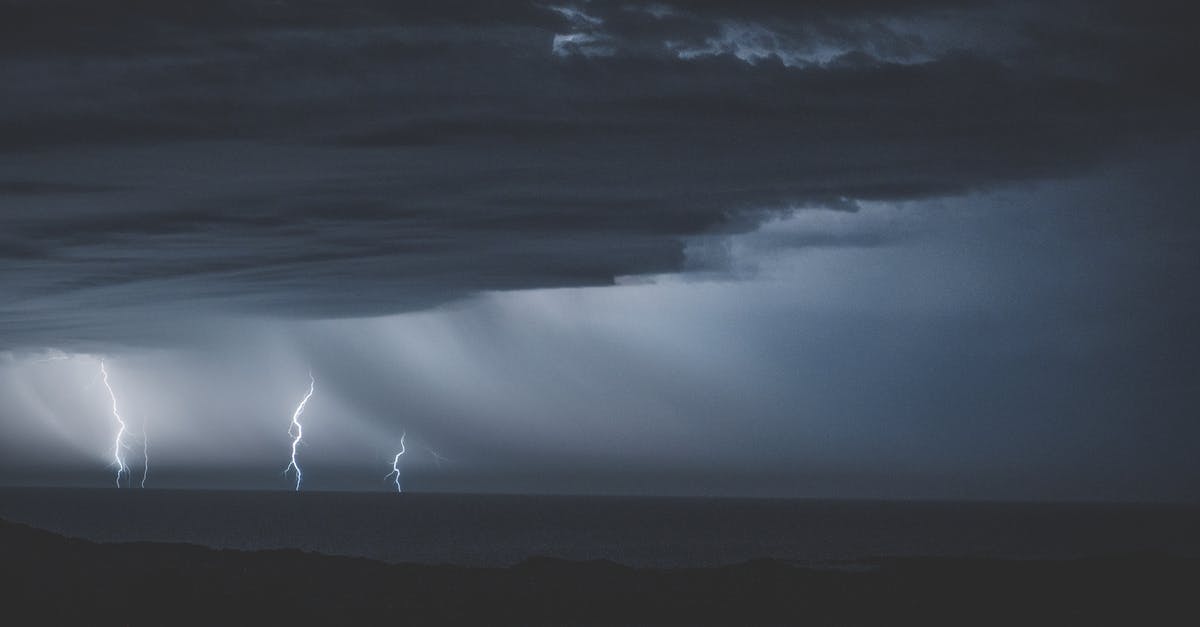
31	188
311	159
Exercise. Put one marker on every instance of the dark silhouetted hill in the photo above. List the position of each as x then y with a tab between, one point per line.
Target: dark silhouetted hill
50	579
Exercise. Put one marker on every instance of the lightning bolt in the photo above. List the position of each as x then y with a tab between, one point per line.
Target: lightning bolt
145	454
119	444
396	464
297	431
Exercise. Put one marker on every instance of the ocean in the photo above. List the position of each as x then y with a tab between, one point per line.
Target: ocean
500	530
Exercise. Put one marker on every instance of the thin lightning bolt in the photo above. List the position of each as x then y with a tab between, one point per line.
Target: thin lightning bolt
120	440
396	464
145	454
297	431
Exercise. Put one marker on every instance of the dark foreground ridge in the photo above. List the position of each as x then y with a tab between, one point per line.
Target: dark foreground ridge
50	579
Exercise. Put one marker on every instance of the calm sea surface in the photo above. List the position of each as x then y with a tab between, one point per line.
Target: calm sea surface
501	530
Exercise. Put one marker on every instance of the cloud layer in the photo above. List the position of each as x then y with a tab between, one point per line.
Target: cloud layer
852	248
289	159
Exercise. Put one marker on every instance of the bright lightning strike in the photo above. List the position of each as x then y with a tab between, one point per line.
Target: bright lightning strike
145	454
396	464
297	431
119	444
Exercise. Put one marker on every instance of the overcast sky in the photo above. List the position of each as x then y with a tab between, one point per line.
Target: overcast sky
805	248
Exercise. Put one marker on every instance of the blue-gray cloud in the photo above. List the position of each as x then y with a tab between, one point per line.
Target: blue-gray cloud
304	161
927	248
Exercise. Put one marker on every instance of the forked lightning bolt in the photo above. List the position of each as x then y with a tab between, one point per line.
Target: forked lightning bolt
396	464
118	456
297	431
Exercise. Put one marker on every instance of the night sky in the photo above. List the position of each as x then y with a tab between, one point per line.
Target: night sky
762	248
